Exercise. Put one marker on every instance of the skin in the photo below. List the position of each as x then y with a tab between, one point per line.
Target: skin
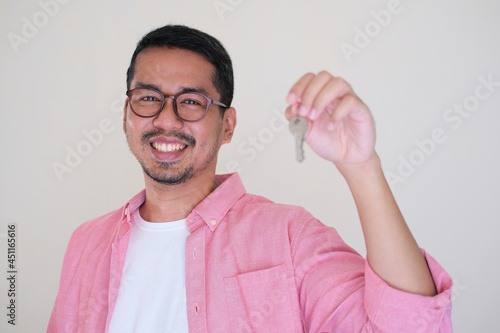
176	182
342	131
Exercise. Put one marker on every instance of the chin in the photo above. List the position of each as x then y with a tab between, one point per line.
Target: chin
170	178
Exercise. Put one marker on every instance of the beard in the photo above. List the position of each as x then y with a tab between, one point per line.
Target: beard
168	178
165	175
163	172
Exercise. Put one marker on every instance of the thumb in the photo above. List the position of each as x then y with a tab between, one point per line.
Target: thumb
292	111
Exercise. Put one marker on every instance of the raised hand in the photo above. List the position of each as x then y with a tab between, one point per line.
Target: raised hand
341	127
341	130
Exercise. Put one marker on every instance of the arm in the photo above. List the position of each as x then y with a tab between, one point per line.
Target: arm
342	131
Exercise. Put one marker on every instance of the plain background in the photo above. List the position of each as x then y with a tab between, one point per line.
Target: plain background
67	78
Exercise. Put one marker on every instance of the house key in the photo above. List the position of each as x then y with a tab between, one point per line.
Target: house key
298	126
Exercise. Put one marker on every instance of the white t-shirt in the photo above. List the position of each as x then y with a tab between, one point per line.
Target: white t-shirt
152	293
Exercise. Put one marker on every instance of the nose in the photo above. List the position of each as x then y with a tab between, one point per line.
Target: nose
167	117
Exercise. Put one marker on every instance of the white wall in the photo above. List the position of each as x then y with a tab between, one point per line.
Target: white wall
68	76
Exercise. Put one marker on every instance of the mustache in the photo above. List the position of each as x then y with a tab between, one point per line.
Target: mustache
157	132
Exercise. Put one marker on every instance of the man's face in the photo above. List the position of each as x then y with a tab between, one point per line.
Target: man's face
170	150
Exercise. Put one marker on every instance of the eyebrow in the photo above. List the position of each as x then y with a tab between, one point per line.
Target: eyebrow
182	89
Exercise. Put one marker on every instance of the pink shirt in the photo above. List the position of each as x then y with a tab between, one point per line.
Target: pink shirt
251	266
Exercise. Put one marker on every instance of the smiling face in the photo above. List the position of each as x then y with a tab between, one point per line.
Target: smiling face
170	150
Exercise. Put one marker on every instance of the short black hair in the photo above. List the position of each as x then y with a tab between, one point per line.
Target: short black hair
183	37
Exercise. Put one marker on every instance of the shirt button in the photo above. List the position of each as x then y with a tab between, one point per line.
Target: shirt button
196	308
213	222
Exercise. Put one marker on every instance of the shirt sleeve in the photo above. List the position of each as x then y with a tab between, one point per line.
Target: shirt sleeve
58	319
340	292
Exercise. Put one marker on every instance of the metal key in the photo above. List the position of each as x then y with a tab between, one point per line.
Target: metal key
298	126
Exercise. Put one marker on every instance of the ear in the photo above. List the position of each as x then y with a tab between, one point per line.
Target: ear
229	124
125	114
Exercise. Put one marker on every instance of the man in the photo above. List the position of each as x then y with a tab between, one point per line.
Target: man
195	252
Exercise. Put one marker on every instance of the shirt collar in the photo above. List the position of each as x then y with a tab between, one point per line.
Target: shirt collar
132	205
212	209
216	205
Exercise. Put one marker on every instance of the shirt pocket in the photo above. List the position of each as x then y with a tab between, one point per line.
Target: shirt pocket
260	301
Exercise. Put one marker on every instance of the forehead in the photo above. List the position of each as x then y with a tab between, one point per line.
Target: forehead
170	67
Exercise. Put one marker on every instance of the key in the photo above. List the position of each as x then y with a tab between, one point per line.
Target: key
298	126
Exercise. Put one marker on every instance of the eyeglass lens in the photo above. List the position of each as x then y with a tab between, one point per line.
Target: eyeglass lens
190	106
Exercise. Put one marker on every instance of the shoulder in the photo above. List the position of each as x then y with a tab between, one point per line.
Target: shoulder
97	228
108	224
260	204
262	212
100	223
305	234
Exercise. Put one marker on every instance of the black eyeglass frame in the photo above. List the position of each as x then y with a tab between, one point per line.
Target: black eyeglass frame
174	98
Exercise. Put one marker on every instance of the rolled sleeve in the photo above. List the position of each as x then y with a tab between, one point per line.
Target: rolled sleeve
340	292
393	310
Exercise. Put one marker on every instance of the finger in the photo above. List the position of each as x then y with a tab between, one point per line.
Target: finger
291	111
295	94
311	91
347	104
328	98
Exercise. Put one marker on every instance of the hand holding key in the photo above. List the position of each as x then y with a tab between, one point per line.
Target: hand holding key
341	130
341	127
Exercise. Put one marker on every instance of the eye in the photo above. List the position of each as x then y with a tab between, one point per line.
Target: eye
149	98
191	101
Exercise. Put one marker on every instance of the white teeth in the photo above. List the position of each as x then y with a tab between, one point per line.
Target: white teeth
167	147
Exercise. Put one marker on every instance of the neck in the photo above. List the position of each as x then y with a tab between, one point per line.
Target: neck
165	203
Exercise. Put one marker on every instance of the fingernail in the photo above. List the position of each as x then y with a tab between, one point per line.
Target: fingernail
303	110
313	114
291	98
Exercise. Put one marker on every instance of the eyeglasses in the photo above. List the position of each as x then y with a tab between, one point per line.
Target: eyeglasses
188	106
